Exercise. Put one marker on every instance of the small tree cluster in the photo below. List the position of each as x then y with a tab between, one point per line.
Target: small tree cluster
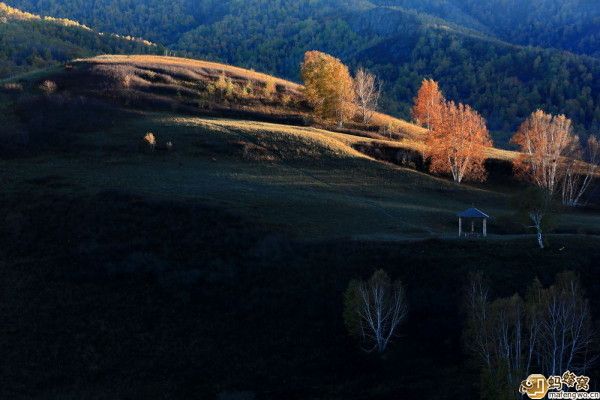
374	309
457	143
544	140
334	94
549	331
457	134
225	86
270	89
552	158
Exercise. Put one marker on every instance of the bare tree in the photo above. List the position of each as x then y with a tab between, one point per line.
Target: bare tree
368	92
549	332
537	218
566	331
477	299
498	336
375	309
534	208
580	172
508	337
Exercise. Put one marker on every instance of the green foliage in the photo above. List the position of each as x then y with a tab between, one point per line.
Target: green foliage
26	45
565	24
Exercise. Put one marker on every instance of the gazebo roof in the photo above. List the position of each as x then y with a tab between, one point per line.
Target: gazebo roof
472	213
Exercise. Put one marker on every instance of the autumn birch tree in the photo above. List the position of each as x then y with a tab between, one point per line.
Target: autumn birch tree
368	92
428	104
457	143
544	141
328	86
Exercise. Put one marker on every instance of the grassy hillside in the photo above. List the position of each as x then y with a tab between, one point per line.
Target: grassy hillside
217	269
305	178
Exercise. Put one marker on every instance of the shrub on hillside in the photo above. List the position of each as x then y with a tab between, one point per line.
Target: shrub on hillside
248	89
12	87
270	89
150	140
225	86
48	87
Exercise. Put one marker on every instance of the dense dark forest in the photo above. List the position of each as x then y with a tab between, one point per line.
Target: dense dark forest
566	24
478	51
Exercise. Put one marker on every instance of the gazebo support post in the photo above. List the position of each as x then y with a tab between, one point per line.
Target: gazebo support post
459	226
485	227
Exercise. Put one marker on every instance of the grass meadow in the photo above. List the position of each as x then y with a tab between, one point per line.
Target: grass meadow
216	269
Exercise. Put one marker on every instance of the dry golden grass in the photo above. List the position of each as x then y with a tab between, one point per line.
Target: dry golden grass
206	68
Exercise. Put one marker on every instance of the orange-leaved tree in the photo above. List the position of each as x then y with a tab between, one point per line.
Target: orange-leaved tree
457	143
544	141
328	86
428	104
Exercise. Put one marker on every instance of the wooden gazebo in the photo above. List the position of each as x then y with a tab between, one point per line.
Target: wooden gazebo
472	215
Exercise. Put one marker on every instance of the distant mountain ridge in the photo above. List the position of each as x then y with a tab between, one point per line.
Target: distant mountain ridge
572	25
565	24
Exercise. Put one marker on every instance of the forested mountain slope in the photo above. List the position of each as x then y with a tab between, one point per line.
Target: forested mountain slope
462	44
29	42
572	25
